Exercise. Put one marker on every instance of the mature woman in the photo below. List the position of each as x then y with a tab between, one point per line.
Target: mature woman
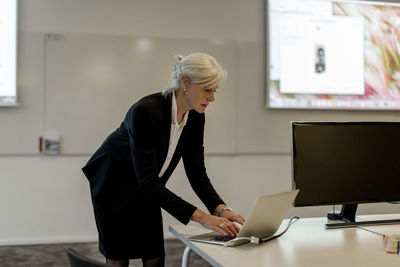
128	173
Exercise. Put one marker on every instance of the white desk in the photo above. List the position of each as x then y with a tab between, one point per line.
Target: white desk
306	243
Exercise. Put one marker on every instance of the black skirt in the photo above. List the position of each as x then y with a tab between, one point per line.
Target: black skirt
129	227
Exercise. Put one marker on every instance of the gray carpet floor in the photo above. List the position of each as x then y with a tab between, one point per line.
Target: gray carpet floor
54	255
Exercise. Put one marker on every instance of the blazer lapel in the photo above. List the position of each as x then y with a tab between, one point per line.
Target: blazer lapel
165	129
183	141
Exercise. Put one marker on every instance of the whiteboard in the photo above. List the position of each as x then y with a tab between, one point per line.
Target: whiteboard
92	80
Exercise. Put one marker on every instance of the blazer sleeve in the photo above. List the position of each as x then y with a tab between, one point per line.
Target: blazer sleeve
193	160
142	129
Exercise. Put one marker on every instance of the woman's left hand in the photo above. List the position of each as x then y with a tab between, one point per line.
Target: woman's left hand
232	216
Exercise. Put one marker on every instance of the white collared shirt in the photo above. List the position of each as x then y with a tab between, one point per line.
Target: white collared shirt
176	131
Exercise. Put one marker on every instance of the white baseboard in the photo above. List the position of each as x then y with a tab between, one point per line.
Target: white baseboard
47	240
57	240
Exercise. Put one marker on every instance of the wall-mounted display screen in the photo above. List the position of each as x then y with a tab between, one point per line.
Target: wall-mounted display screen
325	54
8	53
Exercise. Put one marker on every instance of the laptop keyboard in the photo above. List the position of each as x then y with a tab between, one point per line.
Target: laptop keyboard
223	238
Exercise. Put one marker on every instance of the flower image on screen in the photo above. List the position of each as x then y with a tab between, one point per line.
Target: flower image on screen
333	55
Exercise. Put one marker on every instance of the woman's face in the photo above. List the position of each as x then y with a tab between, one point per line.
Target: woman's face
198	96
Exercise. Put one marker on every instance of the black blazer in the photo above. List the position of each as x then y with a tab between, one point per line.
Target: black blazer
137	151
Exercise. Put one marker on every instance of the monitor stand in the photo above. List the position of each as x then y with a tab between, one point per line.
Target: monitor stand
347	218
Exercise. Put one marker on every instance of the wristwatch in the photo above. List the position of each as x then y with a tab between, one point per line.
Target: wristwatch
222	210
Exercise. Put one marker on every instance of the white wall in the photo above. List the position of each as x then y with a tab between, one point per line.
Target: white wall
46	199
208	19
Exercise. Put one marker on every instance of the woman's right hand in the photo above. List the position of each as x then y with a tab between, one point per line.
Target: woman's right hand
220	224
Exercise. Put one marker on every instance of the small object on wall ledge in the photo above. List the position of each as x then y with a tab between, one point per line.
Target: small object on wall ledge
49	145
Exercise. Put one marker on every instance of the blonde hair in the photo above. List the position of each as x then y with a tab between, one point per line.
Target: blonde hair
199	68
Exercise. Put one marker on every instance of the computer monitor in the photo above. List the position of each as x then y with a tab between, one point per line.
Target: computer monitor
345	163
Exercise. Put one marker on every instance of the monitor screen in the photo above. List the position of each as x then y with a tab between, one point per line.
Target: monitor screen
325	54
345	162
8	53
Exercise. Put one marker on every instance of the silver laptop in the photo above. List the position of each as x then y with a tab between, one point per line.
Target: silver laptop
262	222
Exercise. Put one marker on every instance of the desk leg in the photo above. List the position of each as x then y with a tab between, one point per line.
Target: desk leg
185	257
